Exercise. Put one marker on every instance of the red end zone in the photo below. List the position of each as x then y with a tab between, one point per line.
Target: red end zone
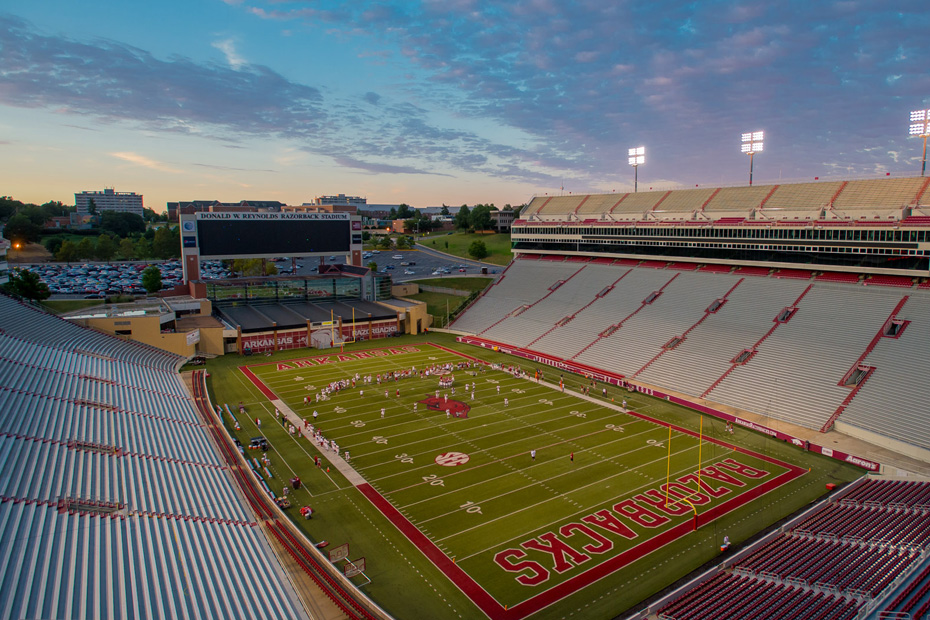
487	603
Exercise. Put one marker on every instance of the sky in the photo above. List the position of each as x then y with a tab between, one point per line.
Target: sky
451	101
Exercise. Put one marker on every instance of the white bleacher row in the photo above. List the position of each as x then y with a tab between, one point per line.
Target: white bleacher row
795	374
50	382
143	484
71	361
140	566
627	295
32	324
707	351
510	293
681	304
70	566
887	403
566	300
32	415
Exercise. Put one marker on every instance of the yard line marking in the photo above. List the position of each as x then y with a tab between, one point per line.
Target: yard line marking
502	460
645	485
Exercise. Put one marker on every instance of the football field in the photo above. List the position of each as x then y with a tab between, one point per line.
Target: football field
520	493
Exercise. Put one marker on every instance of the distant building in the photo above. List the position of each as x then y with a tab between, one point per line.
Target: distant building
322	208
57	223
501	220
339	199
109	200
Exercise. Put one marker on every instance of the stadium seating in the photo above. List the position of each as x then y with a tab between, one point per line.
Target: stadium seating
601	318
110	481
806	571
889	401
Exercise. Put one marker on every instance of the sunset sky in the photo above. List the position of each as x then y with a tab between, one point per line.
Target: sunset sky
452	101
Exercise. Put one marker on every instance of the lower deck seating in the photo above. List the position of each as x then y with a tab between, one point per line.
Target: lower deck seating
823	567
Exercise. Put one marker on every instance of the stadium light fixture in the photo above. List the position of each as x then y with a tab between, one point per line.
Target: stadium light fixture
751	144
637	157
920	127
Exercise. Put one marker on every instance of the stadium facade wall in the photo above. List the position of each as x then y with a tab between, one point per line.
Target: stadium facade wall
881	441
320	338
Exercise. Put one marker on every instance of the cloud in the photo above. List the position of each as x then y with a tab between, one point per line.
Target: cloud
108	82
231	168
228	47
142	160
381	168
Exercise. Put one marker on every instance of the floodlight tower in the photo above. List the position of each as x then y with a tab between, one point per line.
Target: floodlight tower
751	144
637	157
920	127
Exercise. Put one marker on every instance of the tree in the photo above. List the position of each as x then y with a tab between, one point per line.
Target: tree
143	248
480	217
121	224
105	248
372	265
167	242
366	236
127	248
463	218
151	279
403	243
92	207
85	248
392	214
53	244
478	250
28	285
405	212
8	206
445	210
386	243
20	228
67	252
149	215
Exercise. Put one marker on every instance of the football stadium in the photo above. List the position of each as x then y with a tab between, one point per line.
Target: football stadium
682	404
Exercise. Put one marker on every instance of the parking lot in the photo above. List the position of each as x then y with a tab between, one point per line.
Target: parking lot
97	280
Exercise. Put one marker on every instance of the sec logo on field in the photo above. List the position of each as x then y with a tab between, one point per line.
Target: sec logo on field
451	459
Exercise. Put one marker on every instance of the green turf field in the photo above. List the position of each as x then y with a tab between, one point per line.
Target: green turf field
583	527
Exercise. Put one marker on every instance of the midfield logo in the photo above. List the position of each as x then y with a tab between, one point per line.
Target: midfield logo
455	407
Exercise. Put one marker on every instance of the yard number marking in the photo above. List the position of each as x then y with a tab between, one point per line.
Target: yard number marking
578	414
614	428
545	401
379	439
653	442
471	508
357	423
340	409
434	480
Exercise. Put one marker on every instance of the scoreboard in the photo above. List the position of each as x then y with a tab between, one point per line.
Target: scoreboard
266	235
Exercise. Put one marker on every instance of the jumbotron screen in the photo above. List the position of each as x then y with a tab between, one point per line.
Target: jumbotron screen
278	234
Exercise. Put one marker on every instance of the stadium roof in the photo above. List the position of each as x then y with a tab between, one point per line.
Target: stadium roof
819	200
